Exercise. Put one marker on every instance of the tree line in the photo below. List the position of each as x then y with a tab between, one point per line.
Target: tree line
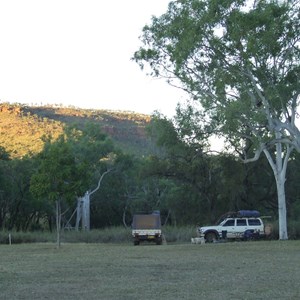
185	182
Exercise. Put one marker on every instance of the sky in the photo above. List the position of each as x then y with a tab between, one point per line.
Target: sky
78	52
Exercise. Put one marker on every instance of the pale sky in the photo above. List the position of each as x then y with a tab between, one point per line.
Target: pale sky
77	52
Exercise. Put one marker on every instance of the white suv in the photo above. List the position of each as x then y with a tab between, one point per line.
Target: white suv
240	225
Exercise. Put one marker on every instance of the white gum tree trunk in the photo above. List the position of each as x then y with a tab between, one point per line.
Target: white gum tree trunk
283	235
279	167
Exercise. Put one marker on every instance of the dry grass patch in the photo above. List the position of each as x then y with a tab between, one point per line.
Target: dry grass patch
241	270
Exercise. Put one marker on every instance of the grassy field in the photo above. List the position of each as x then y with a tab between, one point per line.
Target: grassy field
235	270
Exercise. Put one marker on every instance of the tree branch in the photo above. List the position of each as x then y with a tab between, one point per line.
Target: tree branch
99	182
257	154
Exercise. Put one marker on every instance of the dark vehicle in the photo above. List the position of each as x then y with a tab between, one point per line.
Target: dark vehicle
146	227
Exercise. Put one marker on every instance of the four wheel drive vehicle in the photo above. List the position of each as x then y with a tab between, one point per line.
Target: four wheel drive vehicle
244	224
147	227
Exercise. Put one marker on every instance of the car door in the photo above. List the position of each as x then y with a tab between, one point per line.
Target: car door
241	227
229	226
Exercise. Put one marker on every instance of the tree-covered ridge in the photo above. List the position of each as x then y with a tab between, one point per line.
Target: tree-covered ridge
23	127
21	133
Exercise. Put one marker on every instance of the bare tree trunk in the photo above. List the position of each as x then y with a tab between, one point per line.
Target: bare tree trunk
279	167
283	235
58	223
124	217
86	211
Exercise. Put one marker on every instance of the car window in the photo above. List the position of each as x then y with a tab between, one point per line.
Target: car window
241	222
229	223
254	222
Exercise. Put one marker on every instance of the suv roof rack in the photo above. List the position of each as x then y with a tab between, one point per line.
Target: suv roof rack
239	214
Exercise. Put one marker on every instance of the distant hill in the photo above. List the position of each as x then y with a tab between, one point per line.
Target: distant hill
22	127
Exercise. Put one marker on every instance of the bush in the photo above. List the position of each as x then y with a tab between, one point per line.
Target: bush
294	230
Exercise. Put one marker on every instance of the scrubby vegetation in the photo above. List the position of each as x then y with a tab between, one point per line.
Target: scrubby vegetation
22	127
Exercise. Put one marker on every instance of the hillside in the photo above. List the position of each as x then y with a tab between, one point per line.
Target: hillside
22	127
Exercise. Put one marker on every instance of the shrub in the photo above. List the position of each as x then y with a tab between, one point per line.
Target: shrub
294	230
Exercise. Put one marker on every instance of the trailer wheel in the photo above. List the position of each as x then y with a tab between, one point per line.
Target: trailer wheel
136	243
158	241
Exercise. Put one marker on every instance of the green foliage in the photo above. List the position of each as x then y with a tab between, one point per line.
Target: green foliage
186	173
57	176
294	229
198	187
18	208
240	60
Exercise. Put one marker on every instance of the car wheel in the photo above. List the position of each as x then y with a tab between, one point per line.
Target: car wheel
210	237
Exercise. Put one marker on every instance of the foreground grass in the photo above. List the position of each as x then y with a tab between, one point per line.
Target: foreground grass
236	270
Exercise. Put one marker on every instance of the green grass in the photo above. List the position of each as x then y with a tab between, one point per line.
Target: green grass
235	270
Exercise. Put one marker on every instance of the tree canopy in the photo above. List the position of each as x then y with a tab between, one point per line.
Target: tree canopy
240	60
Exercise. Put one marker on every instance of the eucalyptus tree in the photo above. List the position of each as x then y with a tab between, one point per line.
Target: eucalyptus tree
58	177
240	60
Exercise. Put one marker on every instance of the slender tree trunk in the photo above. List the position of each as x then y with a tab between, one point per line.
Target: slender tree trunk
279	167
124	217
86	212
283	235
58	223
